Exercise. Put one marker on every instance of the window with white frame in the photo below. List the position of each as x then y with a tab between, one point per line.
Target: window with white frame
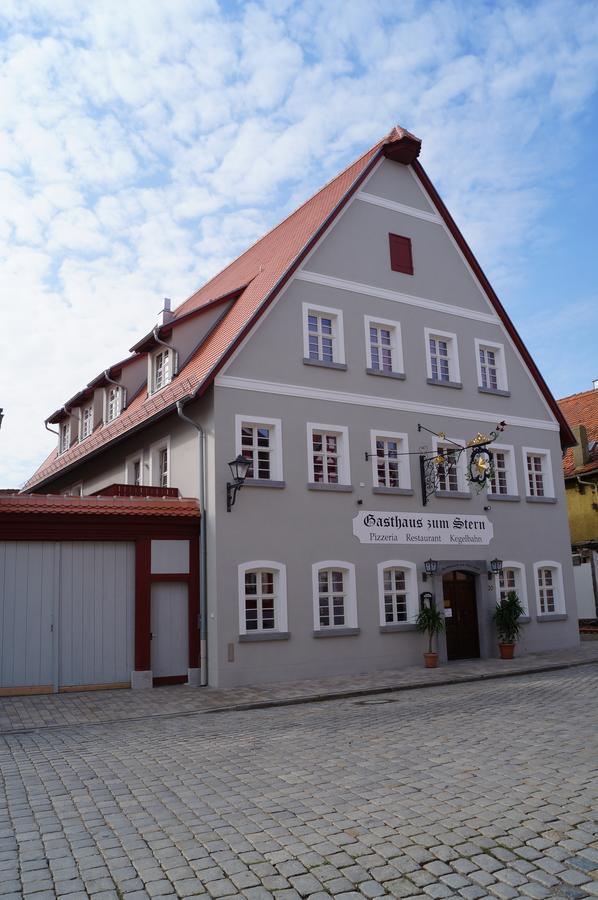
113	403
260	440
383	346
328	454
134	470
64	436
163	467
323	335
335	604
442	359
538	473
262	597
548	576
160	463
490	361
390	462
161	369
512	578
450	473
397	591
504	479
86	421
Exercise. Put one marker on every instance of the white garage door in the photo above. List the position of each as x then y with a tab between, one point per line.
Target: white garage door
66	613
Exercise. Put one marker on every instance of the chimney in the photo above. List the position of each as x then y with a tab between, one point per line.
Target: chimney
595	384
166	315
581	453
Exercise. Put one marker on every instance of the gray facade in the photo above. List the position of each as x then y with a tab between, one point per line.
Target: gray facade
294	522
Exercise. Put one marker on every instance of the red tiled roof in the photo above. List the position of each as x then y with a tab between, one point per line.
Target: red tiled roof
36	504
582	409
263	269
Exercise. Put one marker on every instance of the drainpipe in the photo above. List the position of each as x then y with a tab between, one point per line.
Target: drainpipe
51	429
592	484
119	386
203	575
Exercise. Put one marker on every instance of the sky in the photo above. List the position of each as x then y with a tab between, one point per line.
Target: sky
144	144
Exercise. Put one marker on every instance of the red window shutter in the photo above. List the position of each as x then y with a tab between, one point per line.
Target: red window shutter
401	259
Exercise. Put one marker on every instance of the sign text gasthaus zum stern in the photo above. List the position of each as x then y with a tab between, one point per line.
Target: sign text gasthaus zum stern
420	528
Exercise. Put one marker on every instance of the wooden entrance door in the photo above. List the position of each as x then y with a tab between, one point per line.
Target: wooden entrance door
462	635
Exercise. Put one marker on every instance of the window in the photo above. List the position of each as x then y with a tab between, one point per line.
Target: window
262	598
64	437
390	462
383	346
86	421
512	578
163	467
397	591
160	463
261	441
161	369
490	360
401	256
137	479
451	473
504	481
113	403
327	447
441	357
538	474
550	596
323	335
134	470
334	595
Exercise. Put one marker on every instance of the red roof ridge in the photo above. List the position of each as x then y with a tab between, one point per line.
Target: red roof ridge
578	394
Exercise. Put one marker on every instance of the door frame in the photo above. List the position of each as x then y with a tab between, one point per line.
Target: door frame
478	568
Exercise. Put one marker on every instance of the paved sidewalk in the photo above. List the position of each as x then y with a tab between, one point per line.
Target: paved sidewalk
19	714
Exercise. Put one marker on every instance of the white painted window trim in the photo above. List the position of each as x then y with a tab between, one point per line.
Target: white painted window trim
163	444
448	444
559	607
64	428
521	582
404	467
453	352
129	461
338	338
410	584
501	365
151	376
350	593
82	411
276	467
119	392
509	451
344	460
280	595
546	470
396	340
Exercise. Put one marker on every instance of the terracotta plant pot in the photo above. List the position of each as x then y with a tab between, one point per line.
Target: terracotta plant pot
431	660
506	651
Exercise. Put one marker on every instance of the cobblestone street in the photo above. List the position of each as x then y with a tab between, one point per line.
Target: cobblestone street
485	789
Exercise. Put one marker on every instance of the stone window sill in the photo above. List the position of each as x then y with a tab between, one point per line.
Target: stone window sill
553	617
324	364
497	391
400	376
403	492
335	632
540	499
453	495
263	483
398	626
509	498
450	384
254	636
323	486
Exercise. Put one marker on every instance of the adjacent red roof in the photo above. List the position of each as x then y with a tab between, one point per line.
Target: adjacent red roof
582	409
258	275
36	504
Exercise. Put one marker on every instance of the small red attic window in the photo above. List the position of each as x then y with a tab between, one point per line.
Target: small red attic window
401	259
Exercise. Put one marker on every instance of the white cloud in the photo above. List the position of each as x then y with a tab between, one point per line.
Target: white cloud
144	145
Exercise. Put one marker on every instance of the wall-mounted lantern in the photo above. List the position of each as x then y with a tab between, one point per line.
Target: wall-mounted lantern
430	568
239	468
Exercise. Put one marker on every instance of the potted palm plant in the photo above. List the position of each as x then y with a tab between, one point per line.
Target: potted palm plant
506	618
431	622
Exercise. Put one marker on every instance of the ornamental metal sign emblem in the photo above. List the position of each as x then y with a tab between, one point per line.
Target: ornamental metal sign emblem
454	529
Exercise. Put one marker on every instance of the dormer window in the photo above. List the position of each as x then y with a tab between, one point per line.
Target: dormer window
86	421
64	438
113	403
161	369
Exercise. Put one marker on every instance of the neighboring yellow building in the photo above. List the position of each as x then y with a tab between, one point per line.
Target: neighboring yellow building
580	466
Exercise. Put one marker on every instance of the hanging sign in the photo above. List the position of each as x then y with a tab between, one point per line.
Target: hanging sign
413	528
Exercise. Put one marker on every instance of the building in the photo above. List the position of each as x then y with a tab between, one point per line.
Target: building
317	354
580	467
